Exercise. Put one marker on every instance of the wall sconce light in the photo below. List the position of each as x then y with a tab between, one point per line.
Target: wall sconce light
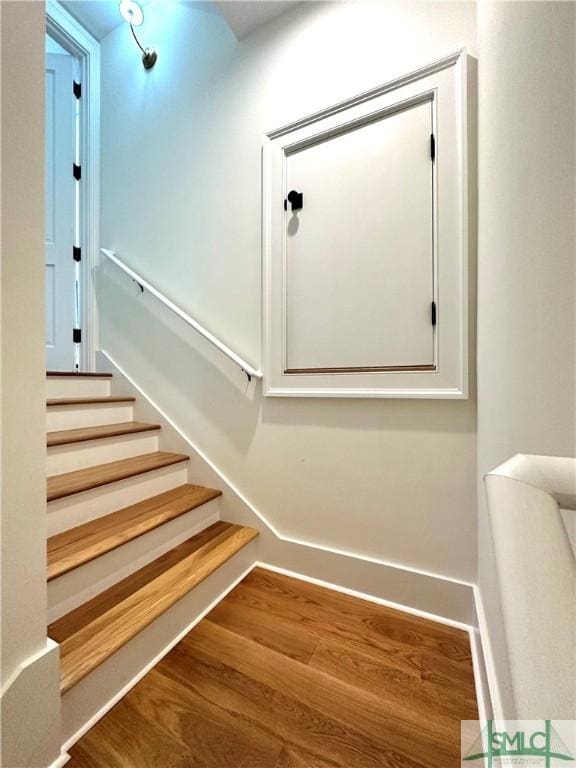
134	15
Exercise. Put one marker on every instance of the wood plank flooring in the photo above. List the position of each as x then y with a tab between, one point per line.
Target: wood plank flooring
284	674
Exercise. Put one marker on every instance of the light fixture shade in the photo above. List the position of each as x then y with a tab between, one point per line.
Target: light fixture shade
131	12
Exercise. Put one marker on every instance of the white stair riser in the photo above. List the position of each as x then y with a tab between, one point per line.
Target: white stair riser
80	416
76	386
68	458
93	696
81	507
72	589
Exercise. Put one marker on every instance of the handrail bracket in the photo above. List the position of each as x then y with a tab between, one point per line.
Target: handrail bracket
249	370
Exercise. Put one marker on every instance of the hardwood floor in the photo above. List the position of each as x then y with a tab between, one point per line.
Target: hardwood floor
285	674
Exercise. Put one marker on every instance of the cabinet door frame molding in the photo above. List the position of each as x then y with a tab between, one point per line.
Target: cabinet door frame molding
444	84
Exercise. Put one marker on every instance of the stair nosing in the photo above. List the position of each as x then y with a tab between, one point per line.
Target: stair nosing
175	458
116	430
55	402
123	610
109	542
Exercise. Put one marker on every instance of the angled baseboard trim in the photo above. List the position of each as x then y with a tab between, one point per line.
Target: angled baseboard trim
477	658
63	758
366	596
416	589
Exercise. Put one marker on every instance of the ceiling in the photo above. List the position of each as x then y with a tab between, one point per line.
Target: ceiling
244	16
100	17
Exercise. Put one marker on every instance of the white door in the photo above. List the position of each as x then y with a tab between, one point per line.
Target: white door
359	253
60	213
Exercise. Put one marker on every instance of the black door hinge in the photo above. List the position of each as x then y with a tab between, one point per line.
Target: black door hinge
77	88
76	253
77	171
77	335
432	147
433	313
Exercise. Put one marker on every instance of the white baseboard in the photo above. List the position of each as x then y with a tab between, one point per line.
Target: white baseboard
411	587
480	681
483	696
60	761
365	596
487	688
477	657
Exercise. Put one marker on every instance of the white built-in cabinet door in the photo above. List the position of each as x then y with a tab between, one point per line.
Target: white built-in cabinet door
60	207
359	254
365	214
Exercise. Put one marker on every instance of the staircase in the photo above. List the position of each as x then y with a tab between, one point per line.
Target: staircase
135	551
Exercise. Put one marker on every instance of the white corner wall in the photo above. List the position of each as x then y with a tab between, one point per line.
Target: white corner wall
526	255
181	192
30	703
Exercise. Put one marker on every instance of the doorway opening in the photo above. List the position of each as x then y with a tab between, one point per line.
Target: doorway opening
72	191
63	221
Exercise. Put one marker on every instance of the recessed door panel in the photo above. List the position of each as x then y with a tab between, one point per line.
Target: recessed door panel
359	261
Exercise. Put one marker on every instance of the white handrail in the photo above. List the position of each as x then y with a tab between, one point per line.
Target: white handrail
144	285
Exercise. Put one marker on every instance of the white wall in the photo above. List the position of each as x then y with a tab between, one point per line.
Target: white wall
30	687
527	246
23	407
181	204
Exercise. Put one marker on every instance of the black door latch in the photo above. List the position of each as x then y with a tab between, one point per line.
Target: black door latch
296	200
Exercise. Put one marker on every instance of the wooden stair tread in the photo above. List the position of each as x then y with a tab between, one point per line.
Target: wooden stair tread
67	436
56	401
80	545
93	632
80	480
80	374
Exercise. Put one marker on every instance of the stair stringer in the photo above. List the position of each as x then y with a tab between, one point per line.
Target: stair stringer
442	599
